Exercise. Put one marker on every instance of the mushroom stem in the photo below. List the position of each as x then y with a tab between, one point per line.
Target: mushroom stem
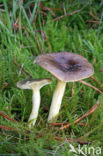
35	107
56	101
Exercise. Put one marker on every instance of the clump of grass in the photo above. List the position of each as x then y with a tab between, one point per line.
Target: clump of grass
27	30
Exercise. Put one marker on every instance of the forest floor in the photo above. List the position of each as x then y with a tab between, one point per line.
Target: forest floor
31	28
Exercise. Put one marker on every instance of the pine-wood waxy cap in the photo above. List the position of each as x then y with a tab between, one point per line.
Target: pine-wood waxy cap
66	66
31	83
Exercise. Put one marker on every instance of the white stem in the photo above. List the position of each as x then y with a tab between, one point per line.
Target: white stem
35	107
56	101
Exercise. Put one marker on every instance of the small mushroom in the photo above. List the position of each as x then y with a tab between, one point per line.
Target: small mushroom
66	67
35	85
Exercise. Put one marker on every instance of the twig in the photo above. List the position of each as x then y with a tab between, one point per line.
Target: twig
14	129
7	117
69	14
57	124
92	15
91	21
72	140
85	115
46	8
89	85
93	78
50	10
61	124
82	124
19	66
6	128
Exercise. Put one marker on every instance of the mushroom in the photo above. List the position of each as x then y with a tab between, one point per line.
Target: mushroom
35	85
66	67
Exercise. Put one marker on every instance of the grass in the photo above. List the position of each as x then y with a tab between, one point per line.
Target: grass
24	34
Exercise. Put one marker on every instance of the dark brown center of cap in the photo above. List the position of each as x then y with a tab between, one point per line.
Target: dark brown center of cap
69	66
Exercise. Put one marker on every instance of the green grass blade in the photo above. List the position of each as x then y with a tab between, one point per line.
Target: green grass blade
8	16
34	11
27	19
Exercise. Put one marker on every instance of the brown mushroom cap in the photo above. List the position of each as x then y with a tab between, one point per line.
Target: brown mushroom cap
66	66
